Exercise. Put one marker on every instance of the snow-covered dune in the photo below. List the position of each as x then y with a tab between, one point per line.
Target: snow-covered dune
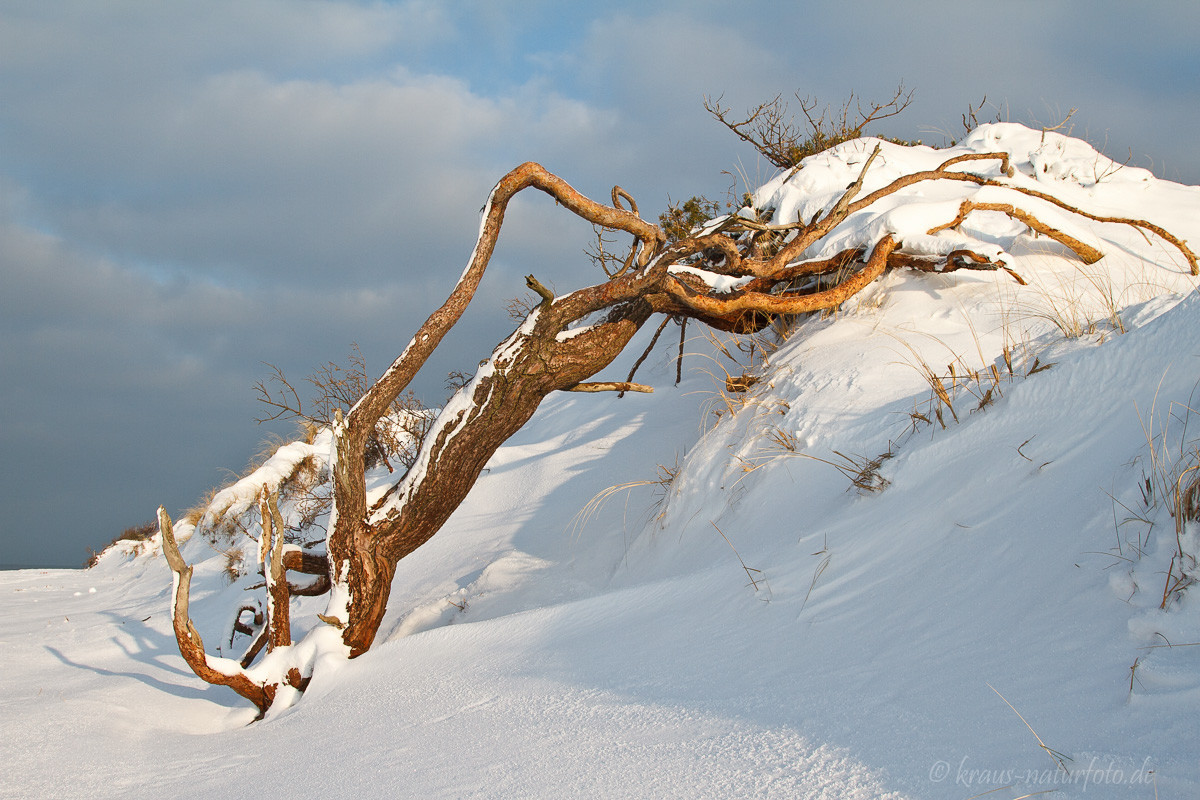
837	584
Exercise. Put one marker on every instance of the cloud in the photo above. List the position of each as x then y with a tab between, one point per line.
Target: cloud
120	391
247	178
147	41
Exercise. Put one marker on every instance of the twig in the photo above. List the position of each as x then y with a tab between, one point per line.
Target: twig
646	352
679	358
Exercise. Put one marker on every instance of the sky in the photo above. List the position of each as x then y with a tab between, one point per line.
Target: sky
191	191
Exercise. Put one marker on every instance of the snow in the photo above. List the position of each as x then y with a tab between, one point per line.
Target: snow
754	626
721	284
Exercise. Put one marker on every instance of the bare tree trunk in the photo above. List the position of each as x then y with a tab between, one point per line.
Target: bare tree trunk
523	370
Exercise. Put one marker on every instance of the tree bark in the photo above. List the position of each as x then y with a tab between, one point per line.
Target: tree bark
524	369
221	672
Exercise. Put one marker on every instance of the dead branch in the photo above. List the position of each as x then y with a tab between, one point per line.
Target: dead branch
619	194
271	554
315	588
741	304
284	407
679	358
763	128
838	212
297	560
801	269
955	260
610	386
900	101
1005	168
1086	253
541	291
351	436
1180	244
256	646
191	646
645	353
785	143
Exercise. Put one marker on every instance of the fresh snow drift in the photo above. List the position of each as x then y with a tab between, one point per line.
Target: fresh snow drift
736	619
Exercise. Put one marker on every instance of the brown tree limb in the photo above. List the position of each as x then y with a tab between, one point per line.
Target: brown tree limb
805	269
679	358
956	260
374	403
1005	168
297	560
541	291
350	533
838	212
610	386
619	194
1180	244
742	303
256	646
523	369
1086	253
222	672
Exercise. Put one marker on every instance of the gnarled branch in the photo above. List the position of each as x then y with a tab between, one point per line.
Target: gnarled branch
1086	253
736	307
218	671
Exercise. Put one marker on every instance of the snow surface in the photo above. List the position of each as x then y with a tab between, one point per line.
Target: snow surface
755	627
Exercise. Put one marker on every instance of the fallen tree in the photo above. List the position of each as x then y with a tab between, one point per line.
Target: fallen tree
737	272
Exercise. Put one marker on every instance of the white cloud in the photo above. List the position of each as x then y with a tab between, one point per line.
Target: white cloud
303	179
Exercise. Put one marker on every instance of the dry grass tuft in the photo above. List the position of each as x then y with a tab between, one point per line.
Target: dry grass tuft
134	533
235	564
1174	481
663	481
962	385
